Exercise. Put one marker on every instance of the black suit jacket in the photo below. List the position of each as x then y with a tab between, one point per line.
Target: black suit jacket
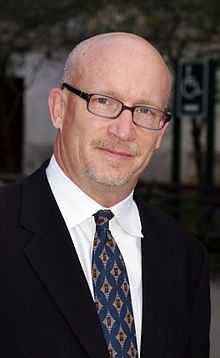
46	309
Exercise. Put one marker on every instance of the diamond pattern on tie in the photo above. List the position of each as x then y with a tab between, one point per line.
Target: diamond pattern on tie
112	291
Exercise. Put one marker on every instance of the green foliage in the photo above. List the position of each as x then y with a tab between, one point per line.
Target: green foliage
28	25
180	27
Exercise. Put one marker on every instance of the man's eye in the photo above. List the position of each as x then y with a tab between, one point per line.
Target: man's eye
143	110
147	111
102	100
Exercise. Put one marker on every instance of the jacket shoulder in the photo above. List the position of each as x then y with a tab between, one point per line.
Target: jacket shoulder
9	197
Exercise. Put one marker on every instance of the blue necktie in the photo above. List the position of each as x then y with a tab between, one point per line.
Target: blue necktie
112	292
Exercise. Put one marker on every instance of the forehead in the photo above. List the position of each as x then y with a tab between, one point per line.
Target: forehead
125	66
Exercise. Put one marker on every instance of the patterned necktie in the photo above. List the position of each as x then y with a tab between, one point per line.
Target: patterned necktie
112	292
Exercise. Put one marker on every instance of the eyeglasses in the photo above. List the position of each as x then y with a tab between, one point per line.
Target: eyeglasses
147	117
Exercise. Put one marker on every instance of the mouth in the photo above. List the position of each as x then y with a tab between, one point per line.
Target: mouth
120	154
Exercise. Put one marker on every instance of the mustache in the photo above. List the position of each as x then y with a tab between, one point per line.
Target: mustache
132	149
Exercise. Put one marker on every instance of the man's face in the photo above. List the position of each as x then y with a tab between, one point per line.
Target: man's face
112	153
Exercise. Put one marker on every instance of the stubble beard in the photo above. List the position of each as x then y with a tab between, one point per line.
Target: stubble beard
112	176
115	176
107	180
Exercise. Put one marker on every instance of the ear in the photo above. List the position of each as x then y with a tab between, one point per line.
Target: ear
159	139
56	107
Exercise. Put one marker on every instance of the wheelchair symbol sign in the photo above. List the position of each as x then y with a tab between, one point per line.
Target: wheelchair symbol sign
192	89
190	86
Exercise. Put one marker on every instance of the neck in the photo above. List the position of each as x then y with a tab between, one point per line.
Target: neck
105	195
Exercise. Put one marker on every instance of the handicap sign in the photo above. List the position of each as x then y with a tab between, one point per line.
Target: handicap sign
192	89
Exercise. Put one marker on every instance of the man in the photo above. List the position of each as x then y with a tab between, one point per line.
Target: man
121	282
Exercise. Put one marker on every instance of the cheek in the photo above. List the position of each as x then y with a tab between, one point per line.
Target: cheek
70	137
79	141
149	144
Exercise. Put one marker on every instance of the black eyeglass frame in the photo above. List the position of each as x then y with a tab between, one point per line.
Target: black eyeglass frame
87	97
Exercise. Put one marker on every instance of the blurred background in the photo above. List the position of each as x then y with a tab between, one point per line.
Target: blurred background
184	176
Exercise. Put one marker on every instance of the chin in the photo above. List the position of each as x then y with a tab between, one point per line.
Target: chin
108	179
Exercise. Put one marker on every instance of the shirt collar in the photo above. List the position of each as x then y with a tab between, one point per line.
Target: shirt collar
127	215
76	206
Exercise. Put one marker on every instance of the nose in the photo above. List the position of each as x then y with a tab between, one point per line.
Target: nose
123	126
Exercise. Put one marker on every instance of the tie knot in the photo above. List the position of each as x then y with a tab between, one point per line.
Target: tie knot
102	217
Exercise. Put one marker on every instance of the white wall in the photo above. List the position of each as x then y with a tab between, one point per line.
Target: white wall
38	131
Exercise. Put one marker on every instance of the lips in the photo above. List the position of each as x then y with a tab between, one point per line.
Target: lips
116	149
116	153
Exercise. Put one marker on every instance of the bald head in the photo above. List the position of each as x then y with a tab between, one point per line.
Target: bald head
98	49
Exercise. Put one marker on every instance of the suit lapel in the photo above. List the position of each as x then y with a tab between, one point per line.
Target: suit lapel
154	311
52	255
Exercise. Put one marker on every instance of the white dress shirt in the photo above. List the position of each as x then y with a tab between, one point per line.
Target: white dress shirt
77	209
